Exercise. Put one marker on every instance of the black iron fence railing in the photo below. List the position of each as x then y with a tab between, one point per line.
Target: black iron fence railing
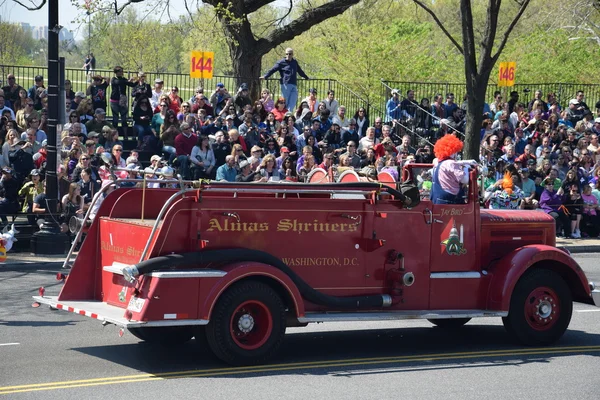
563	91
345	96
187	86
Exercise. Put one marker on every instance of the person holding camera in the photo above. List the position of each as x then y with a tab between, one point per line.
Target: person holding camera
249	131
220	99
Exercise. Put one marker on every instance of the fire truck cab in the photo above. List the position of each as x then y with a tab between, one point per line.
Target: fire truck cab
235	264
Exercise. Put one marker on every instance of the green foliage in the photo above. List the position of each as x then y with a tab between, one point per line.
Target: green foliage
17	47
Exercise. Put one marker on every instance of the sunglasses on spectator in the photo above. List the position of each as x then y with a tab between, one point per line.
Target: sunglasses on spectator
186	105
118	149
239	151
163	105
85	158
174	90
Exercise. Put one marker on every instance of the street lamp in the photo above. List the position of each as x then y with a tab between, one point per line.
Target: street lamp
49	239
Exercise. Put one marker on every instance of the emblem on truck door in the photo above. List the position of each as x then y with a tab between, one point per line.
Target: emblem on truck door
123	294
455	244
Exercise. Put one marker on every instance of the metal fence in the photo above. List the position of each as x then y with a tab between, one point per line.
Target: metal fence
187	86
563	91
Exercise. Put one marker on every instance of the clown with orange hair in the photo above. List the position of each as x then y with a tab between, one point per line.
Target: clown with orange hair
505	195
449	175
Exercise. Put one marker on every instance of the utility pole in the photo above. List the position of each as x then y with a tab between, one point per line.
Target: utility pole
49	240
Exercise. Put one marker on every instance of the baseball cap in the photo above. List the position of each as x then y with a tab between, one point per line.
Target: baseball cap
573	101
158	80
155	158
93	134
284	150
100	111
34	172
38	78
132	166
524	170
244	164
312	90
597	120
229	117
80	94
7	170
220	85
395	91
244	86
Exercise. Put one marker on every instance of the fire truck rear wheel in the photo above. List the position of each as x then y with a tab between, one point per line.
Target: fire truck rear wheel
247	324
540	308
166	336
449	323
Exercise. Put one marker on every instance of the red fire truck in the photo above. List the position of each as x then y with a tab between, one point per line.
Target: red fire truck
235	264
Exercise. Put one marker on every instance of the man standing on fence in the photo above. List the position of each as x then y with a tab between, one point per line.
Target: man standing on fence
118	98
288	69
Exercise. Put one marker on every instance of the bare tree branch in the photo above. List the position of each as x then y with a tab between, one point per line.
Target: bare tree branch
306	21
31	8
119	10
440	24
510	28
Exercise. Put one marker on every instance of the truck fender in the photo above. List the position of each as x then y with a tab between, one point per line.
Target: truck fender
510	268
244	270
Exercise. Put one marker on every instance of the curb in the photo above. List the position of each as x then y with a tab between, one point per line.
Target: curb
45	265
593	248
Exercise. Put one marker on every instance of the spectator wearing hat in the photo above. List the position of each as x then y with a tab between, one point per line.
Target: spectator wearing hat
288	69
29	191
551	202
98	122
393	106
97	92
242	98
118	98
220	99
157	92
141	90
184	144
574	111
311	100
284	154
34	93
79	96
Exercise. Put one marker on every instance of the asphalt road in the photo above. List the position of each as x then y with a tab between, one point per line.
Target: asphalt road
57	355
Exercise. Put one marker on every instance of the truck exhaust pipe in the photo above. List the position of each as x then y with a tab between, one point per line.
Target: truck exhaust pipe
130	274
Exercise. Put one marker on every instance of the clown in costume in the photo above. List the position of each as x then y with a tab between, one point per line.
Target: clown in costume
504	195
449	175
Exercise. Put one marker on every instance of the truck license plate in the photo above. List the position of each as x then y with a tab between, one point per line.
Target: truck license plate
136	304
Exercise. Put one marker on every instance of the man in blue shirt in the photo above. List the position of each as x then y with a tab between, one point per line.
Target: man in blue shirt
288	69
392	107
227	171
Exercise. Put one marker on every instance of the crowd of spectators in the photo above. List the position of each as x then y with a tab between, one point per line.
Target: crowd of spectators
229	136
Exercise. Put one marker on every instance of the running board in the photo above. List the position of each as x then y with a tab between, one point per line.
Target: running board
398	315
110	314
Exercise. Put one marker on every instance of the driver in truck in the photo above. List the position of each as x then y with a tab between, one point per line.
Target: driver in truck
449	175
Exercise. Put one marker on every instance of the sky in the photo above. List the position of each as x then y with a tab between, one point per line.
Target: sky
11	11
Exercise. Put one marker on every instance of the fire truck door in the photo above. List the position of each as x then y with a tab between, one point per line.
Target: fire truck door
453	237
400	243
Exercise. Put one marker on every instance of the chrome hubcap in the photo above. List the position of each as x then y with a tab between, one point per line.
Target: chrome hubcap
544	309
246	323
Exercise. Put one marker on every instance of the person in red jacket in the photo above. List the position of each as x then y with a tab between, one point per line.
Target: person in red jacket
184	143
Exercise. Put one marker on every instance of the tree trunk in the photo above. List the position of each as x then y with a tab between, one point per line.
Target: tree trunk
247	65
476	90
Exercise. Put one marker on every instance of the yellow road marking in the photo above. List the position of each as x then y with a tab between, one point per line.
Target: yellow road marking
289	366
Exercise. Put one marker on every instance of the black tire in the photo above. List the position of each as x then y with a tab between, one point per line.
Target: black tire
449	323
166	336
540	308
247	324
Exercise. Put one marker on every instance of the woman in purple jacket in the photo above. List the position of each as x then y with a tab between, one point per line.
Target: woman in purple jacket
551	202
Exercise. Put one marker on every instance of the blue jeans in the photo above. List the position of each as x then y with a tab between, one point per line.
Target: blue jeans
290	94
141	131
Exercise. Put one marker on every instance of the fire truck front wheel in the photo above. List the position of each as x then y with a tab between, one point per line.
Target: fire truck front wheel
247	324
540	308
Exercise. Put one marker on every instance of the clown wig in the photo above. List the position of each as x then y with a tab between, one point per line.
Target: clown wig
507	183
447	146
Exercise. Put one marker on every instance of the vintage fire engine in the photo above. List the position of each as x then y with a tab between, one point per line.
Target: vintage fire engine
235	264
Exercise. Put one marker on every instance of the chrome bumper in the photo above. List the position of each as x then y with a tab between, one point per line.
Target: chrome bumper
596	297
